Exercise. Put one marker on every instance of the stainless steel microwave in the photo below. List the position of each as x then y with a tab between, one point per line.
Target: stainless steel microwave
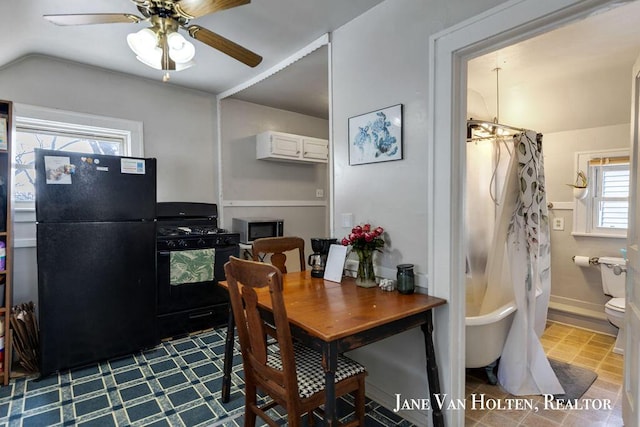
254	228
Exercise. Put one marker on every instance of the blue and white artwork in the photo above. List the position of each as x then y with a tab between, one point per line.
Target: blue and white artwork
376	136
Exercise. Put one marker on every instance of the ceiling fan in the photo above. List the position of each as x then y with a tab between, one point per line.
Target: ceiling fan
161	46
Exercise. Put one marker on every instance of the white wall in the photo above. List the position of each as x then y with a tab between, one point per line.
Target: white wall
267	184
381	59
179	130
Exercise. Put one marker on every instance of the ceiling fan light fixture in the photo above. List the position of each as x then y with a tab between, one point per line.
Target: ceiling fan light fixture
180	50
142	41
183	65
153	61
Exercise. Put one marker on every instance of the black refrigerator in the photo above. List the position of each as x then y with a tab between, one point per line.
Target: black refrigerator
96	231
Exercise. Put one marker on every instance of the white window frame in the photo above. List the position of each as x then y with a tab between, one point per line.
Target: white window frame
68	121
584	210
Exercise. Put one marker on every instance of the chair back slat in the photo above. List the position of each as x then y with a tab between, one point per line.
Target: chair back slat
277	246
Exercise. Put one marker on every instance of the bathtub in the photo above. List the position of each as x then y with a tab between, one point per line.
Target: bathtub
487	333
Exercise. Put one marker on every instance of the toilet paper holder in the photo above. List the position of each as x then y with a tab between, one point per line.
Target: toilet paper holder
617	269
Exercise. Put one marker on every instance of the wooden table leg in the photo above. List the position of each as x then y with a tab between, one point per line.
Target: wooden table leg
330	365
432	371
228	359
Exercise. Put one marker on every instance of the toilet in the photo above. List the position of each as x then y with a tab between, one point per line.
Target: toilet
614	285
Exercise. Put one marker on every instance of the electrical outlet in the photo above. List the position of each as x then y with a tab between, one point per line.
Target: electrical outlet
319	192
558	224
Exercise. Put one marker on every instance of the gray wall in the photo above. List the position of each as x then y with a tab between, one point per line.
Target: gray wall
578	290
179	130
273	189
179	124
381	59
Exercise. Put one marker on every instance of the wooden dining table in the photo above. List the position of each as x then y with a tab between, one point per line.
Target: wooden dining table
336	317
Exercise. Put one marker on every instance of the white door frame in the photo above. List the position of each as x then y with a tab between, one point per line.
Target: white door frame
630	391
449	51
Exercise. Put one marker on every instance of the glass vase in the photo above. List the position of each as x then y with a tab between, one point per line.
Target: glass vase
366	277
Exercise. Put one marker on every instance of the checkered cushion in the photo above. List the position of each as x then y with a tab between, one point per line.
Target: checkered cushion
309	369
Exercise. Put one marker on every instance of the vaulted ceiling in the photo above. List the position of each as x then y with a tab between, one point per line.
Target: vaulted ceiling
274	29
580	72
577	76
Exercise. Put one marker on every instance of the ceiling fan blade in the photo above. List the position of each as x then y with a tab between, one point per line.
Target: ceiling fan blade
191	9
93	18
224	45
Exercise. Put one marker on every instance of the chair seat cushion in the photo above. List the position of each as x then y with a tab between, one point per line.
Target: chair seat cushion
310	372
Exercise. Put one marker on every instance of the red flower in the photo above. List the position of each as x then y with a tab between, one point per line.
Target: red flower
364	238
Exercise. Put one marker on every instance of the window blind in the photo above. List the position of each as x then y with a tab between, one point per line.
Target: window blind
614	194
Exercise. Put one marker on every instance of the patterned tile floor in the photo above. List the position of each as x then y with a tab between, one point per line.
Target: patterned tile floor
175	384
577	346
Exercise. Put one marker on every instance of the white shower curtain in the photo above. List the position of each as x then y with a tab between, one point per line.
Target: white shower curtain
524	368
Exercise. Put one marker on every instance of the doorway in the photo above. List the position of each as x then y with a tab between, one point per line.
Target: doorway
450	51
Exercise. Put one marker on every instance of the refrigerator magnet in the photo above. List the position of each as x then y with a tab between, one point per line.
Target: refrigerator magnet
58	169
132	166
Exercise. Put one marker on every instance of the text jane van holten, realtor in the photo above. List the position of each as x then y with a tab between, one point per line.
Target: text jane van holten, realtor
481	402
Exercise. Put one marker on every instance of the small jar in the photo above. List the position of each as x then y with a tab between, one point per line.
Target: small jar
406	280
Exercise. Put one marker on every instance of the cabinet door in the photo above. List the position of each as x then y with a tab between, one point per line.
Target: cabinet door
314	148
284	145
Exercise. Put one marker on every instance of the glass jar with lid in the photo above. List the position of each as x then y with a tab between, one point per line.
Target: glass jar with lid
406	279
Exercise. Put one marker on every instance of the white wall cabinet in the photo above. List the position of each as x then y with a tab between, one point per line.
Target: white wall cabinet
287	147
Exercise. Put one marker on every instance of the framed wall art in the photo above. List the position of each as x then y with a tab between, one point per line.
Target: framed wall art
376	136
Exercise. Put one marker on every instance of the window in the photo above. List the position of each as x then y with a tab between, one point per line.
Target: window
611	188
65	131
605	210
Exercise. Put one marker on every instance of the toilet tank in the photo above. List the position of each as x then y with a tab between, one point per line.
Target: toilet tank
613	284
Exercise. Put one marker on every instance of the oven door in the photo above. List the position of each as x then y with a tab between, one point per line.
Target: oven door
174	296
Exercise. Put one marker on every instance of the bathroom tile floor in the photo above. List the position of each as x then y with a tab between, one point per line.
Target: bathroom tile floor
579	347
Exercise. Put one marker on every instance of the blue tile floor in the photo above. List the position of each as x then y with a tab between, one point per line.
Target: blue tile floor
176	383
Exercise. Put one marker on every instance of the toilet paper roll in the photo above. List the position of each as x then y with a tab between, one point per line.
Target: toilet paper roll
581	261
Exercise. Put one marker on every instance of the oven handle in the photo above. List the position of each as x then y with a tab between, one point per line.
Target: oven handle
217	247
195	316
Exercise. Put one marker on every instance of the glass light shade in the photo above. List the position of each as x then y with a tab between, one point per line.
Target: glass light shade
180	50
144	44
143	41
183	65
153	61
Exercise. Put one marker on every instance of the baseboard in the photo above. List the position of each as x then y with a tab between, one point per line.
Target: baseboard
580	315
389	401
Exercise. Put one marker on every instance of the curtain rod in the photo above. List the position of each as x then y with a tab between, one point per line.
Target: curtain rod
488	125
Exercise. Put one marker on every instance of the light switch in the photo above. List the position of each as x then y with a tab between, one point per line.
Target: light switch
319	192
558	224
347	220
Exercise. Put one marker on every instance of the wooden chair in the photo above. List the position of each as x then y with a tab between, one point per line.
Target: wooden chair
276	246
273	371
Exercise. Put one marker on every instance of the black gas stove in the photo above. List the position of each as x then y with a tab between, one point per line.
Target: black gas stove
188	234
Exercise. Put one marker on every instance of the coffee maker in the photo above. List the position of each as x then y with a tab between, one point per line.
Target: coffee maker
318	259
